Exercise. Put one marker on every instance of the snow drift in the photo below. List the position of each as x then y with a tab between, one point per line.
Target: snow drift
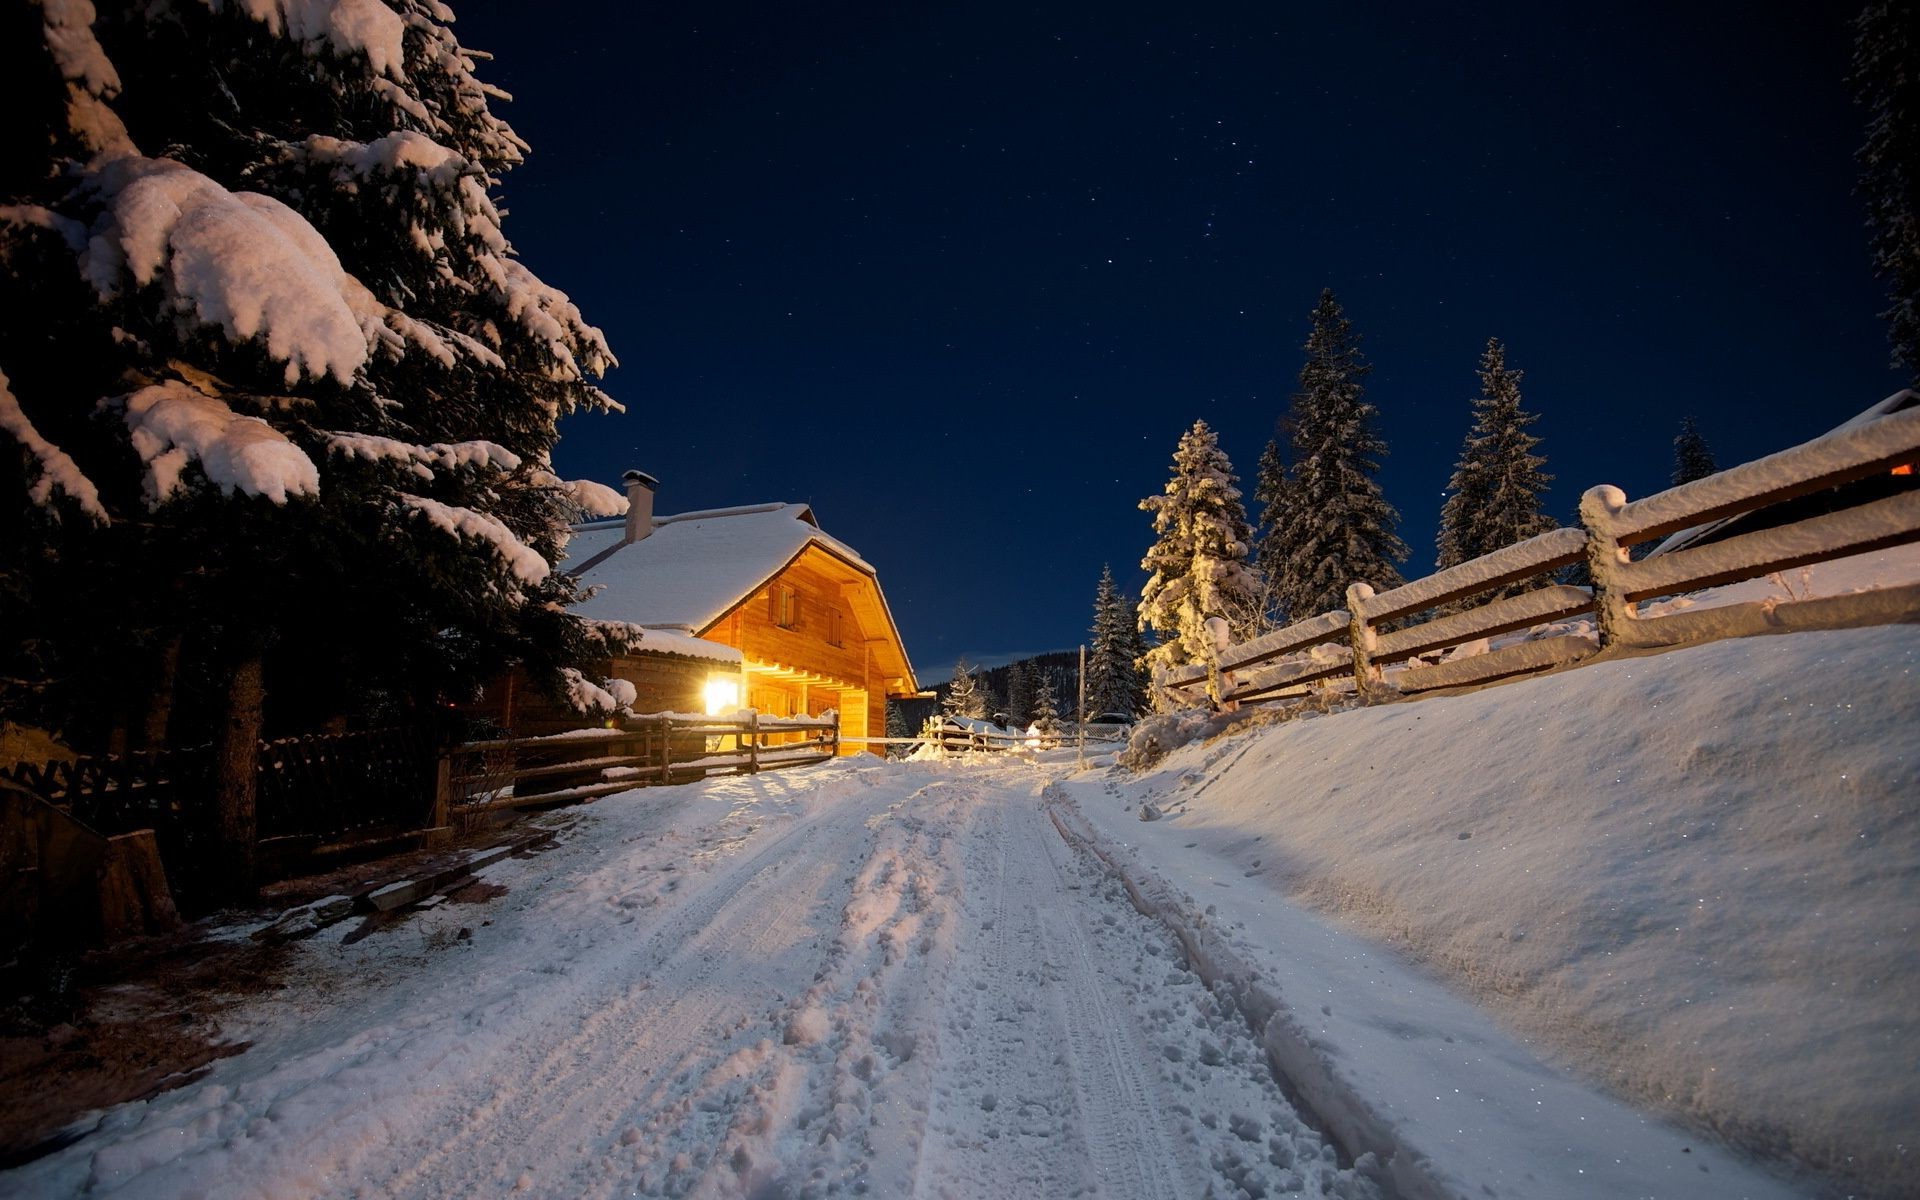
1691	875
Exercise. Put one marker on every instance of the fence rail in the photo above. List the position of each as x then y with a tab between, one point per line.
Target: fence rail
1350	647
588	763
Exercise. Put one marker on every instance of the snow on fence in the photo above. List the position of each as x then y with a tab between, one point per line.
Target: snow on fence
1348	647
584	764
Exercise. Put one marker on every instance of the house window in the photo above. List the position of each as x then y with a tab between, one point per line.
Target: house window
786	607
834	637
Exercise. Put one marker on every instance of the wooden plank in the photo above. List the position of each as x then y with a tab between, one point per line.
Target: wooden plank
1489	620
1497	664
1545	552
1892	521
1829	461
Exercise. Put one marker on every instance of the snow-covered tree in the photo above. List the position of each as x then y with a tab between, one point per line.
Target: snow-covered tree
1336	527
1272	489
1692	457
963	697
1886	81
1114	681
1493	499
1198	565
268	342
1046	717
1019	695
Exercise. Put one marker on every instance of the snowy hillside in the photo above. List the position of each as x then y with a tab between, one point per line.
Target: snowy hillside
1692	875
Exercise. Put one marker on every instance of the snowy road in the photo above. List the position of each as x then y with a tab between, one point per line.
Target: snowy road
872	979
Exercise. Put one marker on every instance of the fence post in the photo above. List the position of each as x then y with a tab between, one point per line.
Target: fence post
442	814
666	749
1599	509
1360	636
753	742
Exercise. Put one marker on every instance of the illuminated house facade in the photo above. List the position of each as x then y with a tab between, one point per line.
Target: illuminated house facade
752	605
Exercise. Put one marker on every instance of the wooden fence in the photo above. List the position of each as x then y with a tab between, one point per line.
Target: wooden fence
1351	647
325	796
587	763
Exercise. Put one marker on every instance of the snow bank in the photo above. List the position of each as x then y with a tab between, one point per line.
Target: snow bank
1691	875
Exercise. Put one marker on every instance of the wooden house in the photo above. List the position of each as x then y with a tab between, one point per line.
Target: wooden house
799	613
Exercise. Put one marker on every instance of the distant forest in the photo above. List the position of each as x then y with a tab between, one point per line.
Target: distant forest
1061	668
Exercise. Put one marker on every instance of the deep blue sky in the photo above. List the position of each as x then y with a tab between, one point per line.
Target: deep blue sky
961	275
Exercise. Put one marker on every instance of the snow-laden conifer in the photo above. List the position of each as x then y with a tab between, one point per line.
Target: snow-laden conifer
1271	489
1019	694
1493	499
1114	680
1198	566
1336	527
1692	457
1886	81
1046	716
268	342
963	698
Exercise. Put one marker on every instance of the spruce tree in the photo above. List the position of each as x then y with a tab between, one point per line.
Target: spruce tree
963	693
1692	457
1493	499
1198	565
1114	681
1886	81
1272	489
271	345
1336	527
1019	695
1046	717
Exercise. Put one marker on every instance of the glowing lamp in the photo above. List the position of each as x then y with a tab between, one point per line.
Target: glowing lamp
722	694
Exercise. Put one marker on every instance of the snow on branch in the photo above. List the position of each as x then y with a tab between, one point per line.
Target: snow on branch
347	27
173	423
525	563
238	260
57	469
243	262
423	459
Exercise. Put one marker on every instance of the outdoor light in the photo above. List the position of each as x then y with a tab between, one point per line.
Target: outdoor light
723	694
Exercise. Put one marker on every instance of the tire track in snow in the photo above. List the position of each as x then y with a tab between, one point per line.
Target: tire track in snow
1038	1091
1117	1099
585	1059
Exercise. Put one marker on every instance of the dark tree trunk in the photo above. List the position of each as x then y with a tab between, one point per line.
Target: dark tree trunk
236	757
160	700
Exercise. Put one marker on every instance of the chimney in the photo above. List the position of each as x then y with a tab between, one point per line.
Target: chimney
640	489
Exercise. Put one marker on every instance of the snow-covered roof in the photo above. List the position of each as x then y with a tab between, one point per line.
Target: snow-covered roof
695	567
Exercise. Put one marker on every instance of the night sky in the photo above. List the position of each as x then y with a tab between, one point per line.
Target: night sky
961	276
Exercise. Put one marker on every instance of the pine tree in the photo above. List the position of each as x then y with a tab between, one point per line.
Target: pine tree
1272	490
1493	499
989	702
274	348
1886	81
1199	564
1046	718
1114	681
1336	526
963	694
1019	695
1692	457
